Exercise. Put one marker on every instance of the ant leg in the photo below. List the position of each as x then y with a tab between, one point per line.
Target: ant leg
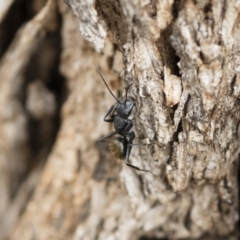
137	113
107	136
129	148
110	113
127	128
142	144
139	169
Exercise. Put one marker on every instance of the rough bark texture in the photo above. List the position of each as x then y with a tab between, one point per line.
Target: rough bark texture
181	59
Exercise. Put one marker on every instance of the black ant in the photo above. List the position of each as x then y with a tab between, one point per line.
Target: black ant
118	114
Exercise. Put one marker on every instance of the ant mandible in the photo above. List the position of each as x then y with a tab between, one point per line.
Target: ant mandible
118	114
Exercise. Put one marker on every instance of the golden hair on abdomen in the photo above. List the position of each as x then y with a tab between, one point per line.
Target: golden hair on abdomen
117	149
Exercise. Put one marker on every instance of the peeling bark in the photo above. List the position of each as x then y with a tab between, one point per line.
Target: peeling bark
181	59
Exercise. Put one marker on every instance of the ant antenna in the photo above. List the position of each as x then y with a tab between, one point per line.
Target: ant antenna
98	70
127	88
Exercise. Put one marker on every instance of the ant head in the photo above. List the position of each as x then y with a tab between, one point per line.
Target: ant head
125	105
117	147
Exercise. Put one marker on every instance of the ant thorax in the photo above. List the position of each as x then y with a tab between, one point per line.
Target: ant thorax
117	148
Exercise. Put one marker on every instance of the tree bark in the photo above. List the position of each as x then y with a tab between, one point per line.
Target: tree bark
181	59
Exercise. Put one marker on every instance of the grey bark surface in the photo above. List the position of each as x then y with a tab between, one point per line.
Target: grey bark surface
181	59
